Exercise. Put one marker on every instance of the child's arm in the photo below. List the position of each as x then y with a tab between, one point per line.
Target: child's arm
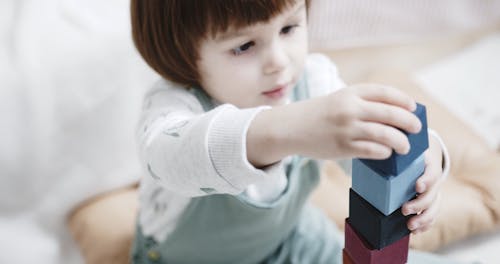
359	121
192	152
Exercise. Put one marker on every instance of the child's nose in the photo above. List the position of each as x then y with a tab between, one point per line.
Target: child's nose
276	59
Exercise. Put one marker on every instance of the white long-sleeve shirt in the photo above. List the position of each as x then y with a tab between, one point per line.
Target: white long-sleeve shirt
188	152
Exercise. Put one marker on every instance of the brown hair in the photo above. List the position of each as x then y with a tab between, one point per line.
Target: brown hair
167	33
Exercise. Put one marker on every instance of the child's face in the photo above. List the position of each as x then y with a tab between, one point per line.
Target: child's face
256	65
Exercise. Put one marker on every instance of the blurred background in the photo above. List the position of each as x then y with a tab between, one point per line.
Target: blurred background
448	54
71	85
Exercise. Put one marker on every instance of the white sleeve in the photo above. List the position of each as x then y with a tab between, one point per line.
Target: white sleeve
322	75
192	152
446	156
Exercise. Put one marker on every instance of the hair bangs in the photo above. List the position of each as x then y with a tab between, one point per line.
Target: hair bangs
167	33
222	15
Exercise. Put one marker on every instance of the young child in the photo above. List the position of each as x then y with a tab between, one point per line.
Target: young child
230	136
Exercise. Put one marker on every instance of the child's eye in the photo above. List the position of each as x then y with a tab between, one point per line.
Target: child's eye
243	48
288	29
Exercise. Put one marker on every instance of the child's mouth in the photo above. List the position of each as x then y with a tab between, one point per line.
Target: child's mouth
276	93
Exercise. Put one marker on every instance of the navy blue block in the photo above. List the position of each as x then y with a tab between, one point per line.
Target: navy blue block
396	163
374	227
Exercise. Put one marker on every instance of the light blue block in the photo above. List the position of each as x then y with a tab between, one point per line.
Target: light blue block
386	192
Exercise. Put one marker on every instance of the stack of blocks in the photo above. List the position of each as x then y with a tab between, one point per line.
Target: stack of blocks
376	230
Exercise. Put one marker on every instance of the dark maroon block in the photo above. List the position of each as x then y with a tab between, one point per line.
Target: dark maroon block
373	226
360	251
346	259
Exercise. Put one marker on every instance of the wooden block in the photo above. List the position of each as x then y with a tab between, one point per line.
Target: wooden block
396	163
374	227
358	251
387	193
346	259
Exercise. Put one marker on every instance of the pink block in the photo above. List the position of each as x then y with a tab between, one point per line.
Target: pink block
360	252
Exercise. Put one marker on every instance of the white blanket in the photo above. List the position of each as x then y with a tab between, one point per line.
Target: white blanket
71	85
468	83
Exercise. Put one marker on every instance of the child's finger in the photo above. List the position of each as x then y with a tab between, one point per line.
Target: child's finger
424	221
385	135
429	178
391	115
388	95
370	150
421	203
424	228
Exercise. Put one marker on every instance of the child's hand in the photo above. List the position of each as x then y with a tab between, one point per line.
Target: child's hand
357	121
426	204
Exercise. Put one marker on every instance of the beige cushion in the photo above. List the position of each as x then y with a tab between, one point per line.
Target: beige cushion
104	226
